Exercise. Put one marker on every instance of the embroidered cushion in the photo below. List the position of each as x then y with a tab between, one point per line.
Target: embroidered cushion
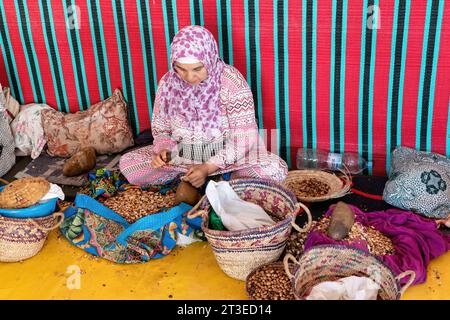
419	181
103	126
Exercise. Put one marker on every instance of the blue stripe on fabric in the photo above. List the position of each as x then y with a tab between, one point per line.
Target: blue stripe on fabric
433	74
342	88
18	95
371	81
277	85
332	72
313	77
175	16
286	83
422	74
202	19
391	85
258	66
166	29
247	44
191	8
448	131
361	77
229	31
219	28
305	134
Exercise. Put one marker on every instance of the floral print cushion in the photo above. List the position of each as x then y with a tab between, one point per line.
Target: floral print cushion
103	126
419	181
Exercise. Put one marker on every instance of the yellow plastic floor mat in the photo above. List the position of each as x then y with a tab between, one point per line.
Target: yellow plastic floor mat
187	273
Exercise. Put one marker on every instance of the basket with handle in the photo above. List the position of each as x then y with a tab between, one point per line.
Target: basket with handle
240	252
22	238
333	262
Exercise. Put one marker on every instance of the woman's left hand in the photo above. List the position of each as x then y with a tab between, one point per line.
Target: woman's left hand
197	174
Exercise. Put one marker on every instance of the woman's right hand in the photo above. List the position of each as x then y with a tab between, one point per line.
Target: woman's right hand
160	159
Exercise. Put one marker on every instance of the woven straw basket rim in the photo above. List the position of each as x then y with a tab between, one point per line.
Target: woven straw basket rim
23	193
339	185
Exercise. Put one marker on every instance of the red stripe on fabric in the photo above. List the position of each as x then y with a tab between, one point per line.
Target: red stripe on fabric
412	72
210	17
90	67
238	37
442	89
295	78
381	87
65	56
352	70
266	26
19	55
42	55
136	58
323	64
111	44
183	14
3	75
159	38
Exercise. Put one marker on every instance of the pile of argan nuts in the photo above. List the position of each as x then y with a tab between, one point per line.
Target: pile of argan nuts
133	204
310	188
295	244
270	283
377	243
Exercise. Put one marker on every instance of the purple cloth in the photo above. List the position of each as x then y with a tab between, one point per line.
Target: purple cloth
416	240
198	104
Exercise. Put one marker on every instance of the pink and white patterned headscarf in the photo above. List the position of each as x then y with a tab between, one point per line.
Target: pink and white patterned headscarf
197	104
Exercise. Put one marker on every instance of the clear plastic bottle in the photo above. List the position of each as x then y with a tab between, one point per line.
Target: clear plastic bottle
321	159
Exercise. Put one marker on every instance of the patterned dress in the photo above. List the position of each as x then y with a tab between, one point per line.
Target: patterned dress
239	149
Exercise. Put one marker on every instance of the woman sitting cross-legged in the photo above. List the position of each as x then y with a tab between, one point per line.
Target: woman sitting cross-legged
203	121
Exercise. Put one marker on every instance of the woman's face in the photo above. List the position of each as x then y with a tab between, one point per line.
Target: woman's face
192	73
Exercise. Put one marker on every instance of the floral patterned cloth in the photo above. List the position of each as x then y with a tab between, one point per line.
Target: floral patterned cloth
103	126
27	130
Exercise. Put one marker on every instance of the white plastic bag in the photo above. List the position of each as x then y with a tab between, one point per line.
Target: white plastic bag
349	288
54	192
235	213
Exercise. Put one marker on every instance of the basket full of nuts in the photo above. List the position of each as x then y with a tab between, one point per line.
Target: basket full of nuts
240	252
333	262
269	282
317	185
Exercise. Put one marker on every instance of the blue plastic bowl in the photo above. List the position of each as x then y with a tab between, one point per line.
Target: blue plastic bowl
37	211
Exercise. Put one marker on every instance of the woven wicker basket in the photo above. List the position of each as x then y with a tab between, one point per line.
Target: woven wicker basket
240	252
333	262
21	239
339	185
23	193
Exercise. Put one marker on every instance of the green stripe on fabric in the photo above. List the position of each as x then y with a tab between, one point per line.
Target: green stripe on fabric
229	31
147	74
305	134
313	72
72	56
80	50
131	94
50	58
191	8
258	66
286	83
372	75
27	58
433	74
361	77
277	85
202	19
166	29
422	73
219	29
18	95
332	73
342	88
97	50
